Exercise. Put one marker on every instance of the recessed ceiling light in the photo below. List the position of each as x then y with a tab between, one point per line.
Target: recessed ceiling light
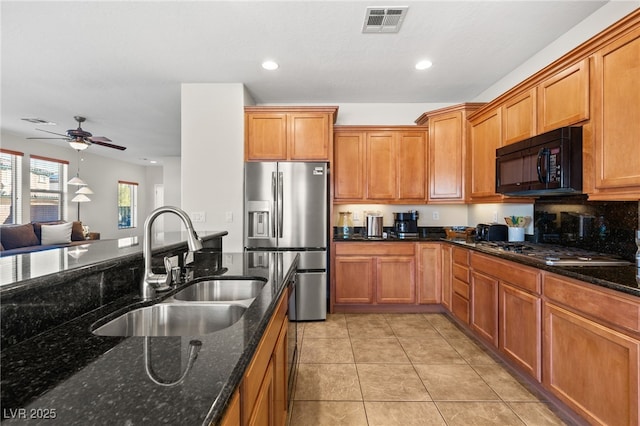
270	65
423	65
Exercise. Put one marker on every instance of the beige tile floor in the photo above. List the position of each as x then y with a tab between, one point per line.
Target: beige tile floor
405	369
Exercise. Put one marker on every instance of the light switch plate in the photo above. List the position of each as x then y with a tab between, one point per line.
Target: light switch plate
198	217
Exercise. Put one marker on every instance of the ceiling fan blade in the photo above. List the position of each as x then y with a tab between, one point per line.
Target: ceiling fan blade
61	139
54	133
99	139
108	145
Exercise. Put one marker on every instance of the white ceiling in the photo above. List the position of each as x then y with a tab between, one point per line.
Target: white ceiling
120	63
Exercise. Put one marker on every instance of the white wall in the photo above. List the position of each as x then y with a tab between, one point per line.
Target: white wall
592	25
213	156
100	173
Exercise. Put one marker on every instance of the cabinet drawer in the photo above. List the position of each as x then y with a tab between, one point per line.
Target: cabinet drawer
461	272
375	249
616	309
520	276
460	256
461	288
460	307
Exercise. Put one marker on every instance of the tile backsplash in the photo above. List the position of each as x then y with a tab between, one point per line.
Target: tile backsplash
603	226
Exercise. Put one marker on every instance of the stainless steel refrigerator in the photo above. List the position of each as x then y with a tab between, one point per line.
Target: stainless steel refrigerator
286	209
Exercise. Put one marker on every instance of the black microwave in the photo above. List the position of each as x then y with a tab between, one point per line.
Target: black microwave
547	164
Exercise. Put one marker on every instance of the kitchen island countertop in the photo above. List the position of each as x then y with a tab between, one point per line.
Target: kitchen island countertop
68	375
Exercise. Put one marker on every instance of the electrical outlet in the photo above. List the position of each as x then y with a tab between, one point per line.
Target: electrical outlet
436	215
198	217
228	216
495	216
356	216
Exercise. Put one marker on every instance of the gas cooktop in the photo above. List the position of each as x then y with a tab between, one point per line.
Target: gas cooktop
554	255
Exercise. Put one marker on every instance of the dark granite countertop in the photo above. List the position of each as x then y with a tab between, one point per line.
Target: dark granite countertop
30	269
80	378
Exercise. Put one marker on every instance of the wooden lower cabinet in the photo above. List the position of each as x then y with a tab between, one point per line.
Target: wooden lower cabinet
232	415
446	276
484	307
374	274
520	330
395	279
263	392
592	368
430	276
354	278
461	277
263	409
280	377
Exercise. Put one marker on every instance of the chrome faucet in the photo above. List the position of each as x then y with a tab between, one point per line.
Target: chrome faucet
150	281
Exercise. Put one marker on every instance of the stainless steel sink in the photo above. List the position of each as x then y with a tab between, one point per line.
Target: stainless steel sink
221	290
173	319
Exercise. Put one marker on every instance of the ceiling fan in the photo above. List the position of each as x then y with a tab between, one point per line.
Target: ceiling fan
81	139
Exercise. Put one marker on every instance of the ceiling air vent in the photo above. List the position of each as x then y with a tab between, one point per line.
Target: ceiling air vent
384	19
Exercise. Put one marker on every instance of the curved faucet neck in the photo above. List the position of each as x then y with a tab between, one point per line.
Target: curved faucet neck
150	280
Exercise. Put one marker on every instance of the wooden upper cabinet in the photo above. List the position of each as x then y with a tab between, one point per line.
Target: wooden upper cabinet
380	164
289	133
412	170
519	117
348	166
310	136
448	128
616	120
266	136
486	137
564	97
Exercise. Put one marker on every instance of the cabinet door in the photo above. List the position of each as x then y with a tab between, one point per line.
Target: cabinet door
564	98
520	336
446	157
348	163
280	379
484	307
354	279
592	368
617	109
395	279
486	137
430	276
309	136
412	166
263	410
447	276
232	415
266	136
381	166
519	117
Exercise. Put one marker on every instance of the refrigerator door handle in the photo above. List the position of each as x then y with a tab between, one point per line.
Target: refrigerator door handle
280	204
273	202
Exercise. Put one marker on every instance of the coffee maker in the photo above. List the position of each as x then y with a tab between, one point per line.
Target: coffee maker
405	224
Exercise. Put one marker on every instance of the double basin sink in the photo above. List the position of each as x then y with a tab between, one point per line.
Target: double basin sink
201	308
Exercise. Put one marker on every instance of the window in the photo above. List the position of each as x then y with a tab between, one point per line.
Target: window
10	186
127	205
47	184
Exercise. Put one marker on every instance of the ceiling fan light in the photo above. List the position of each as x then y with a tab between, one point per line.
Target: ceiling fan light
80	198
78	145
76	181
